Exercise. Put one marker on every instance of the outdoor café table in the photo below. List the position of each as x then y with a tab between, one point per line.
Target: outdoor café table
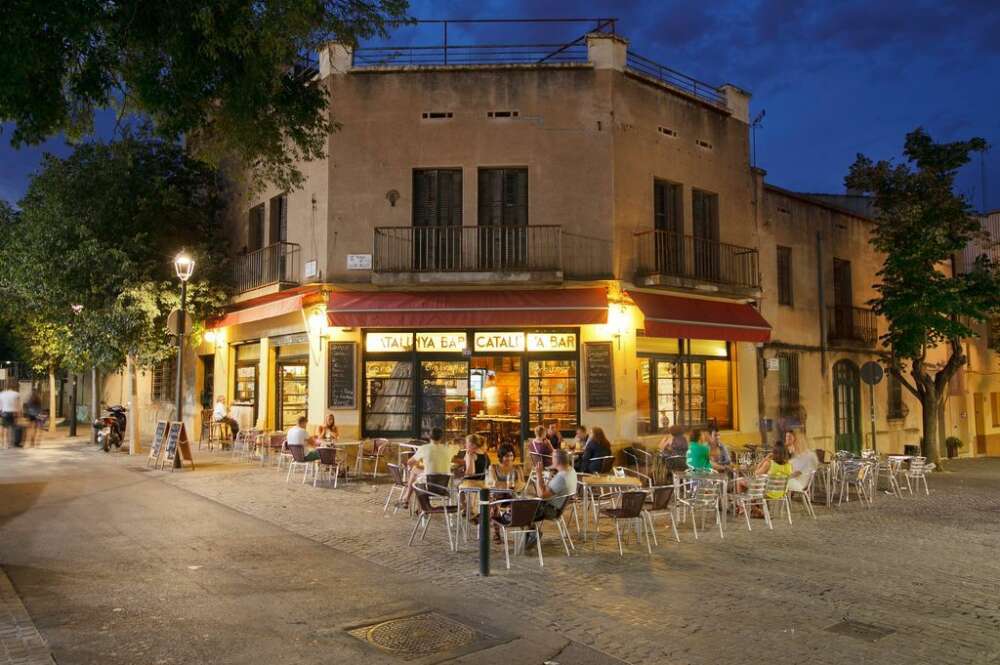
470	489
592	482
711	477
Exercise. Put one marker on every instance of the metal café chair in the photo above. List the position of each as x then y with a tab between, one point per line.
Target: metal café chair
805	494
916	474
776	492
426	494
328	465
659	504
630	510
519	521
370	451
854	474
398	484
752	496
298	461
706	496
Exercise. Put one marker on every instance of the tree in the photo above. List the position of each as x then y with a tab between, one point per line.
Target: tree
921	224
235	73
100	229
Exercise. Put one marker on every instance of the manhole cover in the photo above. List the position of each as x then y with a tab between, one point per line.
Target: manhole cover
417	636
859	630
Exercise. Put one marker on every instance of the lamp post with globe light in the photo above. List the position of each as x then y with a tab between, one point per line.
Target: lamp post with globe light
184	266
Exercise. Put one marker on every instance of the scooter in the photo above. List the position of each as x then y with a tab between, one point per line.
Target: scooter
111	428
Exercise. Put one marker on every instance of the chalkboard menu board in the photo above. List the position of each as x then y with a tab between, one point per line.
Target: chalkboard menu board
598	359
157	445
177	443
342	375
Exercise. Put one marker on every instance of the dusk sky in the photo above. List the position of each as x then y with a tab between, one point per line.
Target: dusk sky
835	79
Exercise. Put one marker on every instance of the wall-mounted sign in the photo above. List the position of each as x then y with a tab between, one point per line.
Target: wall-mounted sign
499	341
551	341
447	342
359	261
388	342
310	270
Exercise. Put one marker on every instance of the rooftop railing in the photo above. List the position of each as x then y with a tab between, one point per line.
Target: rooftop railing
674	79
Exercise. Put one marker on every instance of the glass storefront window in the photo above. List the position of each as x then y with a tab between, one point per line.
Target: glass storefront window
246	384
444	388
668	394
689	391
293	391
643	377
552	393
389	396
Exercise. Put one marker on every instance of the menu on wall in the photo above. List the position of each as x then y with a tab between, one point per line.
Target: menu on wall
598	362
342	375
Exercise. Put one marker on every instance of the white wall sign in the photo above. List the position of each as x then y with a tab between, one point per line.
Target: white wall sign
773	364
499	341
389	342
359	261
551	342
453	342
310	270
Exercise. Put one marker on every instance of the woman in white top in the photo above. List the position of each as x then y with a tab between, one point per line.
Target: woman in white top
804	463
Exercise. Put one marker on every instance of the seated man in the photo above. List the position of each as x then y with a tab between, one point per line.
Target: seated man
556	493
434	458
298	436
719	456
221	415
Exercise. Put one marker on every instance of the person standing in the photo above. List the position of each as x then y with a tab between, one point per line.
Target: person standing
10	410
33	411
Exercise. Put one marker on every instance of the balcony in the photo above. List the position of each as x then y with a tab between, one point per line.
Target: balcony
851	325
276	266
410	255
685	263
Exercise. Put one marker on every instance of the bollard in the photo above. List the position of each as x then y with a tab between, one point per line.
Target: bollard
484	532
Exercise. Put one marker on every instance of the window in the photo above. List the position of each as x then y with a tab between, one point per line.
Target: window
788	385
278	231
784	275
993	333
552	393
255	228
705	226
388	396
995	408
437	197
164	380
894	410
493	115
668	222
444	395
691	389
666	131
503	197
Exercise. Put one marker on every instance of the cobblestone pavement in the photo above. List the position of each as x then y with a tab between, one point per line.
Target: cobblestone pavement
923	569
20	641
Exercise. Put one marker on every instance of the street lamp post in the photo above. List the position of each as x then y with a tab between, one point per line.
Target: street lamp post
73	394
184	266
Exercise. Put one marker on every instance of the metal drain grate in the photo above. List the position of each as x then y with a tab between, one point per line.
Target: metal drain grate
868	632
418	636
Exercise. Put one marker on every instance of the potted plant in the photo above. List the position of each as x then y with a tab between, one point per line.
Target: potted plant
953	443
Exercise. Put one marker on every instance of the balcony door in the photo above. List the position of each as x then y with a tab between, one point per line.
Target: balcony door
843	300
276	261
705	220
437	219
502	231
668	222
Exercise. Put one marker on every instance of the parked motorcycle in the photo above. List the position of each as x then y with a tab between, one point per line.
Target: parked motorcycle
111	427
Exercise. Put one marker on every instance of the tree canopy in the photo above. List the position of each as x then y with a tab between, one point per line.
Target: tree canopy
99	229
235	73
921	225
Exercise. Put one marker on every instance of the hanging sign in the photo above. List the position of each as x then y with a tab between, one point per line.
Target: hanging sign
551	341
389	342
499	341
453	342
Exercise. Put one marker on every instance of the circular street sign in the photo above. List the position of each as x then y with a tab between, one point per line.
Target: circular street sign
172	322
872	373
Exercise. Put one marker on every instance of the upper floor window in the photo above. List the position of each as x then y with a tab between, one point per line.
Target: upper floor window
437	197
278	231
667	211
255	228
843	291
503	197
784	275
705	215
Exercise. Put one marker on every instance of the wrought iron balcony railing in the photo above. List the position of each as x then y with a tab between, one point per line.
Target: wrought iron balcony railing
274	264
672	255
852	324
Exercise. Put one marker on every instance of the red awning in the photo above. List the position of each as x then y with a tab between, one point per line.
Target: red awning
266	307
672	316
425	309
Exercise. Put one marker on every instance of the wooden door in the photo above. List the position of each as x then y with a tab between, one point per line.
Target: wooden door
978	407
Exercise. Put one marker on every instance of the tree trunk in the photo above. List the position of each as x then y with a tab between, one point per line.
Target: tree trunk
929	445
52	399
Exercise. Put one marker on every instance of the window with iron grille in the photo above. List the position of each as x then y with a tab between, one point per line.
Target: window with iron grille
503	197
788	384
784	275
995	408
894	410
993	333
163	380
278	231
437	197
255	228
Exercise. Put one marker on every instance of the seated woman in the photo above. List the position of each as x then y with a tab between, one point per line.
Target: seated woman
776	465
540	448
699	456
476	461
506	474
804	463
554	436
598	446
328	432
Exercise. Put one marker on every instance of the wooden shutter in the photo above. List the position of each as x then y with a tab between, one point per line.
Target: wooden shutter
784	275
788	383
255	228
437	197
842	289
278	227
705	209
503	197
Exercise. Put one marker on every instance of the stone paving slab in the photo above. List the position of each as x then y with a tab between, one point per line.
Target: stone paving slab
923	568
20	641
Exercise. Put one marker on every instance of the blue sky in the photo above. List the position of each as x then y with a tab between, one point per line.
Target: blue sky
835	79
